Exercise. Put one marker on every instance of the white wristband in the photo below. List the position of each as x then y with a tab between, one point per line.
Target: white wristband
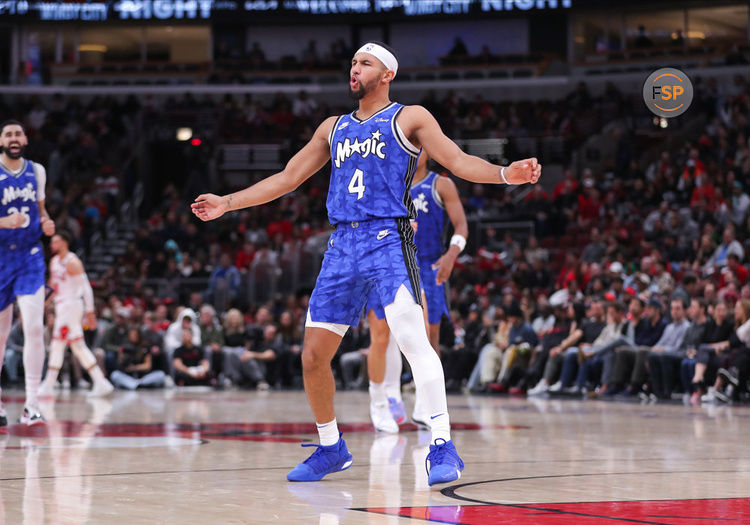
502	175
460	241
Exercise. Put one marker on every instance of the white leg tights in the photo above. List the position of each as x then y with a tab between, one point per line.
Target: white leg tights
406	321
393	367
32	317
6	319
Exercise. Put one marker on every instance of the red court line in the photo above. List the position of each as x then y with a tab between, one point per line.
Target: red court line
661	512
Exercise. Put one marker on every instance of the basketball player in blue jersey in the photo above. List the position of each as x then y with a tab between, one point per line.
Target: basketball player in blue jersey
374	152
434	197
23	219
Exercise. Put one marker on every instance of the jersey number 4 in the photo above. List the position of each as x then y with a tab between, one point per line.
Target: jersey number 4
23	211
356	185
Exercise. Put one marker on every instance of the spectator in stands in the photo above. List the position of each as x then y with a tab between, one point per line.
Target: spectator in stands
517	344
115	338
291	337
212	341
664	366
630	362
594	250
153	338
728	245
709	353
608	339
135	365
584	332
189	363
642	40
458	54
735	363
225	281
174	336
252	365
533	375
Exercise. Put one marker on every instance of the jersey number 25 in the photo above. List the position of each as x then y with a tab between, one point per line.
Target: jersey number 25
23	211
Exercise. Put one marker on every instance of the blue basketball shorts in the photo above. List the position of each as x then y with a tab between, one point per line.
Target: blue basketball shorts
377	256
21	272
374	304
436	294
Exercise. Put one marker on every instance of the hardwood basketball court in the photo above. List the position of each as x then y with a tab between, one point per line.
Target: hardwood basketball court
185	456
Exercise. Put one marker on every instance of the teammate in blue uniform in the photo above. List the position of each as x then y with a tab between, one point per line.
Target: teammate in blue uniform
23	219
433	197
374	152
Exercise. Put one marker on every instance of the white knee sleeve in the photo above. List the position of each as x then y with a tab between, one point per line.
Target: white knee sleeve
393	366
6	319
32	317
406	322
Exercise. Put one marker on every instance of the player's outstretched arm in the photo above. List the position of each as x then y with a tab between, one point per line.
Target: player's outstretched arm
301	167
416	121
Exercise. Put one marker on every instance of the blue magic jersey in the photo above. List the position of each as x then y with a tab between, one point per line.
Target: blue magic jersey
372	168
430	236
18	194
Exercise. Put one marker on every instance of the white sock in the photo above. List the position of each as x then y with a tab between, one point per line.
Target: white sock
403	316
440	426
378	396
328	433
393	367
32	316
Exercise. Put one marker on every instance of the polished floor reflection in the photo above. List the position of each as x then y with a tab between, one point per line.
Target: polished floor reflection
184	457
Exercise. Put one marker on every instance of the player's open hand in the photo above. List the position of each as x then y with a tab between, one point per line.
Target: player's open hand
523	171
91	321
444	267
48	226
208	206
13	221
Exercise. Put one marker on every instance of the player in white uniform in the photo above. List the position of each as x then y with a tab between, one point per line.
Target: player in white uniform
73	296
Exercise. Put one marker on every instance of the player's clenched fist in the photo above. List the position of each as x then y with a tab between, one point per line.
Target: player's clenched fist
48	226
209	206
523	171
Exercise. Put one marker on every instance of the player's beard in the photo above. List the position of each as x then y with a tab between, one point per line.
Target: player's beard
15	155
361	92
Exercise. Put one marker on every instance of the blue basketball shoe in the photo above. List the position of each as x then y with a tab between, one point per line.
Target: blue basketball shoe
444	463
324	461
397	410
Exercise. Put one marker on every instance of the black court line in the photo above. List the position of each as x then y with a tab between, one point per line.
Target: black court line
450	492
689	518
158	472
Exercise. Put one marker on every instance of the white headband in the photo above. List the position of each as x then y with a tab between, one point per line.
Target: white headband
382	54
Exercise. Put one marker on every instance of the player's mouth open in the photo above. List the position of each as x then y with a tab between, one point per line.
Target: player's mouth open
353	82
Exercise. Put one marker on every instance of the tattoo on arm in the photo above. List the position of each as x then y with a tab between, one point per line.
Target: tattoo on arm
229	203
